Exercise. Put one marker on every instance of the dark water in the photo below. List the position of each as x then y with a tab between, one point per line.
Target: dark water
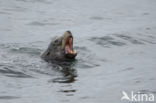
115	41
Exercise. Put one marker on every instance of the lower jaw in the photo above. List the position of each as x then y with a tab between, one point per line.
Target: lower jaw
71	52
71	55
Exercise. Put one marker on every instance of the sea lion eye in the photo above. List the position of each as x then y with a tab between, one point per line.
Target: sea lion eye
57	42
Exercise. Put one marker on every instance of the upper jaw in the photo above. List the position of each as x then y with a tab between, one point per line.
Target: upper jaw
65	36
67	46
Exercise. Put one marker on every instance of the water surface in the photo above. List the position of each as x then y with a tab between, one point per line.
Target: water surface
115	41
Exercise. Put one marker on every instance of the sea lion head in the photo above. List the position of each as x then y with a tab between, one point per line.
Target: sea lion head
61	48
67	45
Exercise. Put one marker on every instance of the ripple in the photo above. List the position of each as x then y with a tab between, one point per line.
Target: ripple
36	1
13	73
37	23
146	13
149	41
9	97
107	41
68	76
96	18
66	70
63	80
16	48
15	9
5	13
83	48
87	64
85	97
129	38
86	59
68	91
128	69
27	50
146	91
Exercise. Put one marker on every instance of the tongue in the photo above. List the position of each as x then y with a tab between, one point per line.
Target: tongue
67	49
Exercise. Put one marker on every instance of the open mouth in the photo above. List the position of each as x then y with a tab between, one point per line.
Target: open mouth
69	47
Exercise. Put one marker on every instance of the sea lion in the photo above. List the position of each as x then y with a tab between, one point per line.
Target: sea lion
60	48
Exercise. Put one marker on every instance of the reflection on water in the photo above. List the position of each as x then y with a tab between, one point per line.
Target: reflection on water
66	68
68	75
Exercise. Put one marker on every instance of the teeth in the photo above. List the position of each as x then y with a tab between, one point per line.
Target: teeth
67	49
74	51
71	51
